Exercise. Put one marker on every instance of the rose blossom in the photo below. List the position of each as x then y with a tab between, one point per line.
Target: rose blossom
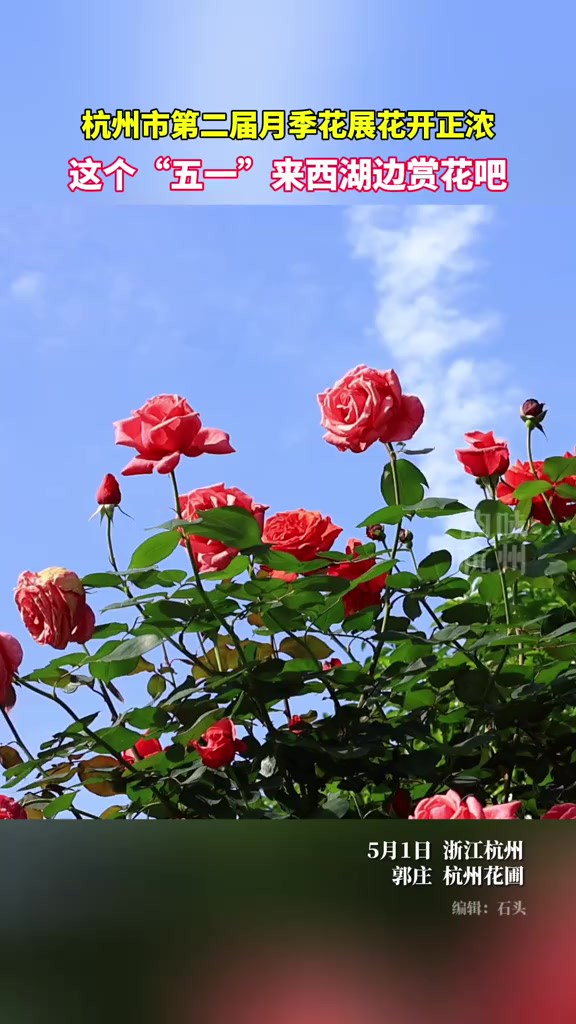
451	805
11	655
366	406
53	607
162	430
146	747
520	473
10	810
365	595
485	455
219	746
562	812
212	555
300	533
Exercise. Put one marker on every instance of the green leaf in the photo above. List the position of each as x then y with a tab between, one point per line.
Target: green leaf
531	489
118	738
61	803
235	527
558	467
411	483
431	508
153	550
389	515
419	698
102	579
566	491
156	686
134	647
494	518
435	565
464	534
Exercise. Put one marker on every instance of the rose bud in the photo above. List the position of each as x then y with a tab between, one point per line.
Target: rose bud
376	532
532	412
109	491
406	537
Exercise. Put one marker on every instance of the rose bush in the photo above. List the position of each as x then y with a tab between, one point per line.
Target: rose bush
279	676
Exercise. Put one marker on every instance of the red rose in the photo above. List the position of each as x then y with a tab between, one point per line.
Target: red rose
53	607
451	805
485	456
521	472
109	491
212	555
297	725
146	747
367	406
331	663
165	428
219	746
365	595
562	812
10	810
401	803
300	533
11	655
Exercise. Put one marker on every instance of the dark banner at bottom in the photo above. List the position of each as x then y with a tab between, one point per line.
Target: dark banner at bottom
309	921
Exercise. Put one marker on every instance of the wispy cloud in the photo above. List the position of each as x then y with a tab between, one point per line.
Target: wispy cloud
424	262
28	286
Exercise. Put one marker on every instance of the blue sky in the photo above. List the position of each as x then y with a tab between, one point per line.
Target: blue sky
250	310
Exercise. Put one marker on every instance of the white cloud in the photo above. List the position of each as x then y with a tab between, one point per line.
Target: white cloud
27	287
427	318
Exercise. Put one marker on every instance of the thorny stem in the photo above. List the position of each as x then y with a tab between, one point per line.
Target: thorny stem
16	734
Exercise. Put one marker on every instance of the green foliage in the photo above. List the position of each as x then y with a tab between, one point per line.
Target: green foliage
412	672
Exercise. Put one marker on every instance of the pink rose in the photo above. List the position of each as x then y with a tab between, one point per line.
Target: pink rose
562	812
451	805
212	555
367	406
165	428
53	607
11	655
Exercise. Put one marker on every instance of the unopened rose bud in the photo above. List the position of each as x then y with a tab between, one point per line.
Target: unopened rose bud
375	532
532	412
406	537
109	491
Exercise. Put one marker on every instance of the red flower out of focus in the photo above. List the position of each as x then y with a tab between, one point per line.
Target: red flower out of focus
53	607
331	663
212	555
401	804
562	812
366	406
10	810
450	805
520	473
300	533
485	456
146	747
297	725
11	655
109	491
219	746
365	595
162	430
